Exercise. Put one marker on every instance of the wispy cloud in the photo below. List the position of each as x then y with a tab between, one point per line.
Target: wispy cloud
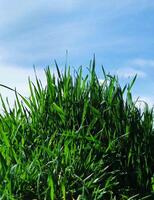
36	32
130	72
101	81
140	62
142	101
17	77
14	11
140	66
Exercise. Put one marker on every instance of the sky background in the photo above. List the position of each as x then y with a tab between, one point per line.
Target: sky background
120	33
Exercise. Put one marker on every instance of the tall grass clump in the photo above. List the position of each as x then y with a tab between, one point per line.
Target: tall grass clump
76	139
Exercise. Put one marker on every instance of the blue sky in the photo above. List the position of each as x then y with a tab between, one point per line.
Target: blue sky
120	33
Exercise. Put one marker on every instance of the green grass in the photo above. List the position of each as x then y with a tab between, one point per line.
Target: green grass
76	139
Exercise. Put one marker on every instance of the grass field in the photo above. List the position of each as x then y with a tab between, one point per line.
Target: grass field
76	139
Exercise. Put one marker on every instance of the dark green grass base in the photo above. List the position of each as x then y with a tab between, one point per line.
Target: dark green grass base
76	139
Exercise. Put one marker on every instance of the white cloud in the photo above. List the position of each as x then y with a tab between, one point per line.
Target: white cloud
28	35
17	77
130	72
143	100
137	66
23	42
12	11
140	62
101	81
